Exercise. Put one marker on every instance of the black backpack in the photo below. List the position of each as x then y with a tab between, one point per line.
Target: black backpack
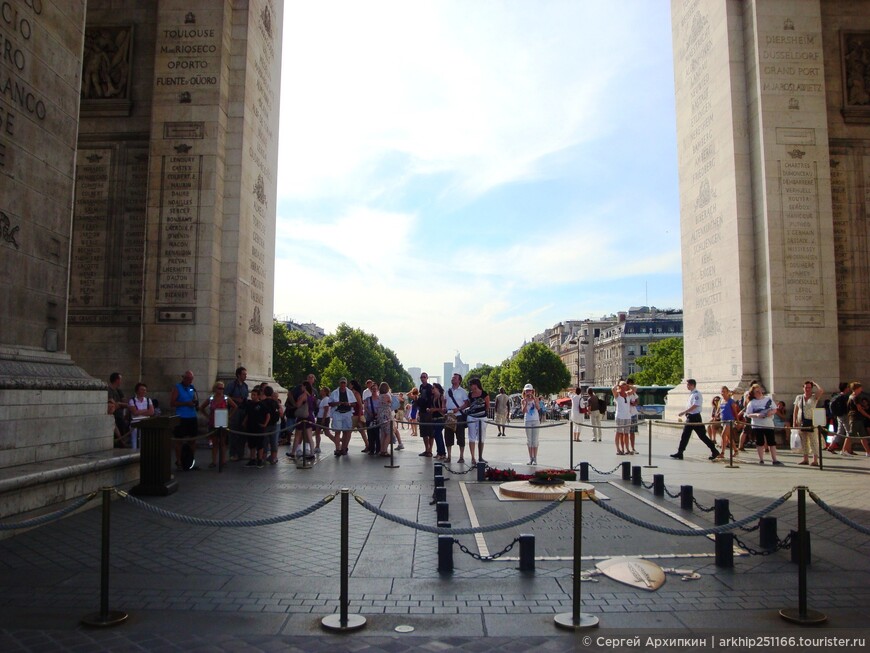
839	406
602	406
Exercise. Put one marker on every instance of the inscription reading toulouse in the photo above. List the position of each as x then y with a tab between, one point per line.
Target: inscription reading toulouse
189	57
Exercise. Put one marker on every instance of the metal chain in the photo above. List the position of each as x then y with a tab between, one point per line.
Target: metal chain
477	556
673	495
702	508
598	471
648	486
462	473
780	545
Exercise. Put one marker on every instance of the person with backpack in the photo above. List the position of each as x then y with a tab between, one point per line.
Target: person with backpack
838	407
597	408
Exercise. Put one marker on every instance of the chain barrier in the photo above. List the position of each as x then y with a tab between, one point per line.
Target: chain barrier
489	558
50	517
780	545
648	486
224	523
598	471
838	515
701	531
462	473
702	508
673	495
458	531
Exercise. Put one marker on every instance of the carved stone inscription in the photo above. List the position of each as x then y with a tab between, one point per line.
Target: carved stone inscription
188	58
800	219
850	194
699	158
21	106
90	239
132	247
179	219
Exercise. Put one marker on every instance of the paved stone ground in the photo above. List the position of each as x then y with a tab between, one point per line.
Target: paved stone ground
202	588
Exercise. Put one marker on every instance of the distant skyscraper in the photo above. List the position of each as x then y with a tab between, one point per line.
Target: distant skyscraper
448	371
459	366
415	375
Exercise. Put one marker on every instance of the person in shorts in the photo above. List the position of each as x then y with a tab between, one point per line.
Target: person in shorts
184	400
342	403
760	410
455	434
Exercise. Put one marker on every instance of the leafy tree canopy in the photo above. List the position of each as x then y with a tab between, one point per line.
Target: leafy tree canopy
663	365
537	364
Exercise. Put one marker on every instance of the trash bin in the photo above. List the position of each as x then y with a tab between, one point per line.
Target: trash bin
155	457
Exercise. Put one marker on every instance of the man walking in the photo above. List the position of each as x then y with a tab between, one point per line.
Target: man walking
693	422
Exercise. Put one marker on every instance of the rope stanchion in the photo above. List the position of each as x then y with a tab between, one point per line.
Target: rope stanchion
224	523
459	531
802	615
576	620
344	622
838	515
50	517
105	617
649	464
694	532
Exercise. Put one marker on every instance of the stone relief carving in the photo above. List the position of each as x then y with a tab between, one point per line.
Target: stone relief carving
260	190
7	231
256	323
106	63
266	17
710	326
855	53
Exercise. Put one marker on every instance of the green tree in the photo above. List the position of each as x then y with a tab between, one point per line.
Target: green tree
292	353
482	372
663	365
334	370
537	364
360	352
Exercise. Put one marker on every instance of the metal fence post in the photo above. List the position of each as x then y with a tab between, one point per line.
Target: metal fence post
577	620
527	552
343	621
105	617
802	615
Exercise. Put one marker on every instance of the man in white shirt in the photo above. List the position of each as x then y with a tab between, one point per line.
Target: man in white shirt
454	401
694	422
577	405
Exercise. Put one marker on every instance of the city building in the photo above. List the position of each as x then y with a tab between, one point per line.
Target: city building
308	328
619	345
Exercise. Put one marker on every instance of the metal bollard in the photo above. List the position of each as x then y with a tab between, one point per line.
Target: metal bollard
105	617
481	471
343	621
442	511
626	471
443	524
440	495
687	493
767	537
439	481
527	553
659	485
724	549
635	475
438	469
445	554
801	542
576	620
721	512
584	471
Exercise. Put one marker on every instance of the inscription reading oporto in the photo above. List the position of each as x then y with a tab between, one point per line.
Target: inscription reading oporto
190	57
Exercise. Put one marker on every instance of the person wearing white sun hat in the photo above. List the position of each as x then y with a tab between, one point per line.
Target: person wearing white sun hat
532	420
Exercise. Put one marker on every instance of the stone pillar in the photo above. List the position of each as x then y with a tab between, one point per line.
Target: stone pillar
52	413
755	203
212	186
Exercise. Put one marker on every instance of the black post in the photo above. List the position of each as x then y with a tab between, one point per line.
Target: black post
445	554
659	485
731	464
392	464
820	434
626	471
344	622
721	512
527	552
440	495
802	615
576	620
649	445
571	443
767	537
442	511
438	470
584	471
686	496
635	475
222	432
105	617
481	471
439	481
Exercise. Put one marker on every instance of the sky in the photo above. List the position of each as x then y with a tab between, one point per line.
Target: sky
458	176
